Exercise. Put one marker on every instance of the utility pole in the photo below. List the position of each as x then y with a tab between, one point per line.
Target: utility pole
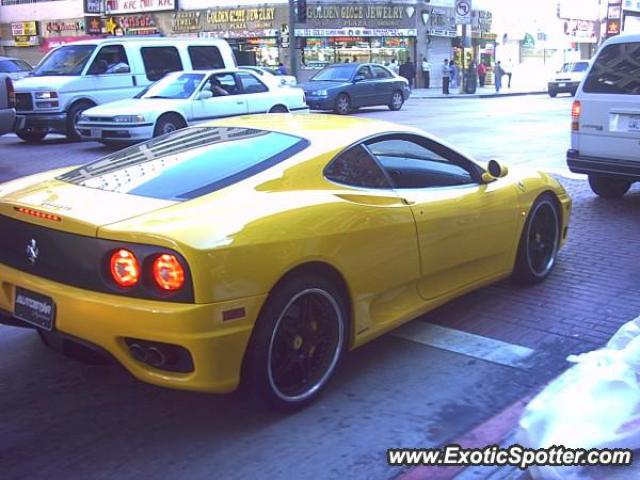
293	57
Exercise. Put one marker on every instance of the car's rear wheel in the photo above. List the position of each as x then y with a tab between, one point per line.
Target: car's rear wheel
608	187
553	93
168	123
32	135
539	242
278	109
343	104
297	342
397	100
73	116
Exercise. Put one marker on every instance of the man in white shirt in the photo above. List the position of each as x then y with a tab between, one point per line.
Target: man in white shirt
426	72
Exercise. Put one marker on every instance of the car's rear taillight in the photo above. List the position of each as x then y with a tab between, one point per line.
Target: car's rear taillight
124	267
576	109
168	273
11	93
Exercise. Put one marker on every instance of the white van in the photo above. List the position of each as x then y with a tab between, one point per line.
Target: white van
605	129
567	79
81	75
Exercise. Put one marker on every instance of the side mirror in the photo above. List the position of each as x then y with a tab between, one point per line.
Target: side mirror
358	78
205	95
494	171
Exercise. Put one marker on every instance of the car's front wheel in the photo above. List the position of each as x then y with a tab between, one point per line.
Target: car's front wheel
32	135
539	242
73	117
343	104
396	101
608	187
168	123
296	343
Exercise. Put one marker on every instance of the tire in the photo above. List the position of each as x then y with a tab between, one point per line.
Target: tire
296	344
539	242
608	187
168	123
73	115
553	93
279	109
343	104
396	101
32	135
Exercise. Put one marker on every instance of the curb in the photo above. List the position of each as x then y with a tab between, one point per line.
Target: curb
478	95
491	432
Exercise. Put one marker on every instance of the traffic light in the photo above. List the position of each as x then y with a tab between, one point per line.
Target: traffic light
302	11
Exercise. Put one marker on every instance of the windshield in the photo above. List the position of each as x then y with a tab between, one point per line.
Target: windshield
66	60
12	66
335	73
574	67
175	86
188	163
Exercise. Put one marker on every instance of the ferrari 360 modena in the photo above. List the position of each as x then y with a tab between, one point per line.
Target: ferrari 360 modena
257	250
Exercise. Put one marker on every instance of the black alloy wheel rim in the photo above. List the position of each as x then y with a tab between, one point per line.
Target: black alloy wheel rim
305	345
542	239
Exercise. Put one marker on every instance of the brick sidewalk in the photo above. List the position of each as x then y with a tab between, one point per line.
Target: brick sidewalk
590	294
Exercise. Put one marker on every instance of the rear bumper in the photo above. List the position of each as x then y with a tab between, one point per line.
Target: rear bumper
106	321
603	166
56	122
563	87
7	120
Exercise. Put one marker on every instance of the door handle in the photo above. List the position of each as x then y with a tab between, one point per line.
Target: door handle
239	103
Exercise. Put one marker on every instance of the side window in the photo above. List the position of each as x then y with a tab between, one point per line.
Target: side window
357	168
205	57
380	72
365	72
615	70
412	165
110	59
222	84
158	61
251	84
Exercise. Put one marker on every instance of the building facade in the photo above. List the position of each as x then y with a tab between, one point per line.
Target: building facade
327	31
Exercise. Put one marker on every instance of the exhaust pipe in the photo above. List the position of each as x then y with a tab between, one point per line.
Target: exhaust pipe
138	352
155	357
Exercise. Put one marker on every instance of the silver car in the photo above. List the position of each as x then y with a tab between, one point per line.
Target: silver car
15	67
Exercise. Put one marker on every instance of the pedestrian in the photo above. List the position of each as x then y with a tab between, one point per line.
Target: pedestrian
482	73
446	72
282	70
394	66
498	72
426	72
508	71
355	59
408	71
453	74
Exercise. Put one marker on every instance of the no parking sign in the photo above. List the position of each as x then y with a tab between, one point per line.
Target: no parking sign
463	12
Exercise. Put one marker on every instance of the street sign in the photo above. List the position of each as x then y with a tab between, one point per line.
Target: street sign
463	12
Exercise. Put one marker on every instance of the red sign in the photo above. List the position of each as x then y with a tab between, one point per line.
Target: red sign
53	42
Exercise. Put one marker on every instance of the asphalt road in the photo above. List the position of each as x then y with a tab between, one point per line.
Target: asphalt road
63	419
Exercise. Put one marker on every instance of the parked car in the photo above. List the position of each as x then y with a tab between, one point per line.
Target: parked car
343	87
605	129
567	79
15	67
7	104
81	75
184	98
272	73
261	248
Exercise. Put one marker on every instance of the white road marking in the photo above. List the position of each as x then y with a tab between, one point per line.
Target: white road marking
457	341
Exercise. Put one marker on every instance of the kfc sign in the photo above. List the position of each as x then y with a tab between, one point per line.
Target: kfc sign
138	6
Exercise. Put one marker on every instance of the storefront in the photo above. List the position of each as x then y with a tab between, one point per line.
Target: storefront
21	40
336	33
132	18
251	32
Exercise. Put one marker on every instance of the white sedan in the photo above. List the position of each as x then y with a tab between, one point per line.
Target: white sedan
184	98
273	74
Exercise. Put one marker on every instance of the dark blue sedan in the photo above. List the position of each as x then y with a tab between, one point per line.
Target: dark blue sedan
344	87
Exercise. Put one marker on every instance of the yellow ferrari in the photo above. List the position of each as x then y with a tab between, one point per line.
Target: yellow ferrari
258	249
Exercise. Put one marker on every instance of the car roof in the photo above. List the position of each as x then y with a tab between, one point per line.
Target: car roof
150	40
343	130
624	38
